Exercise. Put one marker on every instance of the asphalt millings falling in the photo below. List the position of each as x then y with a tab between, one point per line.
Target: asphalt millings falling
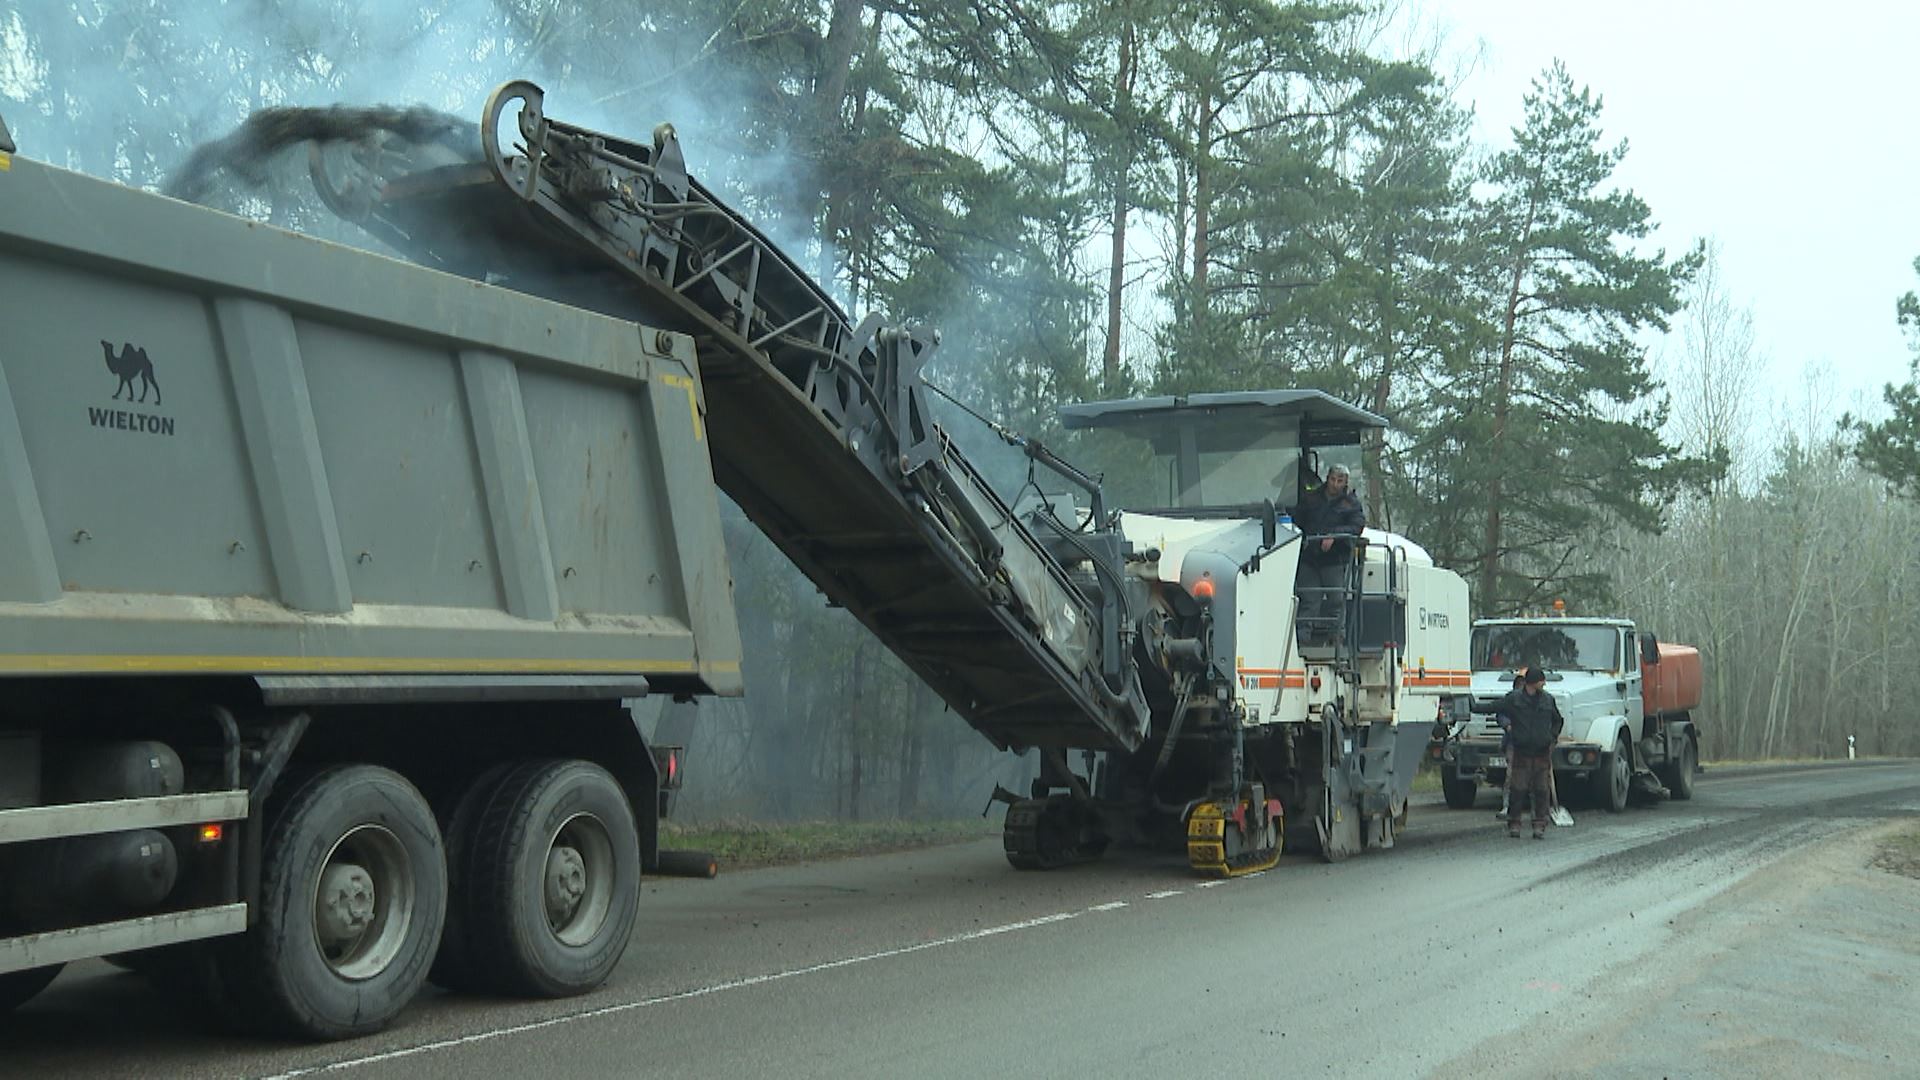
245	155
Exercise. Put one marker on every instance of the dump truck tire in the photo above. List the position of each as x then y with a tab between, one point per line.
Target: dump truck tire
455	966
552	880
353	892
19	987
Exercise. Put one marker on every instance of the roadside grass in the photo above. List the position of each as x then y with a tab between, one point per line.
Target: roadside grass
743	844
1745	762
1427	780
1900	852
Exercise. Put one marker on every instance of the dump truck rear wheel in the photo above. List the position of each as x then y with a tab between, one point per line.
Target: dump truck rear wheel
1460	791
353	892
552	880
455	967
19	987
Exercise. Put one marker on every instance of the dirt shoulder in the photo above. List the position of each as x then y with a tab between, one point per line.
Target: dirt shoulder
744	845
1899	851
1806	968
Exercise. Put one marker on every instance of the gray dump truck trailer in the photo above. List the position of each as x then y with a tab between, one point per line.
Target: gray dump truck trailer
323	581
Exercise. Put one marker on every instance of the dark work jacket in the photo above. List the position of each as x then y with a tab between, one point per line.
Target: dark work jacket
1534	721
1318	516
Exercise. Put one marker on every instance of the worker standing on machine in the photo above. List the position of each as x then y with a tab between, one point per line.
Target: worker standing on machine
1326	513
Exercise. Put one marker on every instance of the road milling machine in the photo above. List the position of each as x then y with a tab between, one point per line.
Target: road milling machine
1151	657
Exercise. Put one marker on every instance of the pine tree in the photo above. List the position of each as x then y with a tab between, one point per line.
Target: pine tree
1891	447
1563	413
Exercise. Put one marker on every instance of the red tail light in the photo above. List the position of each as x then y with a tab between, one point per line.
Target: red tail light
666	760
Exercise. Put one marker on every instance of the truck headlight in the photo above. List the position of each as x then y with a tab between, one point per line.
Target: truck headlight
1575	757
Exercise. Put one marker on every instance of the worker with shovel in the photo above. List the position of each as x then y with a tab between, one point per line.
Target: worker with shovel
1558	813
1532	721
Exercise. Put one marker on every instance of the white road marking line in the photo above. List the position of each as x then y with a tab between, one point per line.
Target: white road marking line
1115	905
666	999
1164	893
1218	881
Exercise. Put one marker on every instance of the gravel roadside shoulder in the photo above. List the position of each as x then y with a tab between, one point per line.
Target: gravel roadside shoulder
1809	967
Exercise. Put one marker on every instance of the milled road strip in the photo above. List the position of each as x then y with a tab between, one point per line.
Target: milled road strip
709	991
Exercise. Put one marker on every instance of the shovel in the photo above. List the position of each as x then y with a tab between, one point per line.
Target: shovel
1560	816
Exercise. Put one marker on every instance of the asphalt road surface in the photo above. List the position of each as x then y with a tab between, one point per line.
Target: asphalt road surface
1742	934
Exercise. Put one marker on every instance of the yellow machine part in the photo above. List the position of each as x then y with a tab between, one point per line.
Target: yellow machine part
1207	844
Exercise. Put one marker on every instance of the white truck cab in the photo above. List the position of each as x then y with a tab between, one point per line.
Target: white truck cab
1622	717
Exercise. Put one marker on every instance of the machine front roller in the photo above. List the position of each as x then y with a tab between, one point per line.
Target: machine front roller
1228	843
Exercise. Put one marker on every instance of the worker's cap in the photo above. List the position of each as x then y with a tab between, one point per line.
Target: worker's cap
1534	675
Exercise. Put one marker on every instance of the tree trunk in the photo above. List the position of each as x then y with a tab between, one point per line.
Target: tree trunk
858	774
1122	198
912	741
856	736
1373	443
781	781
836	62
1182	209
1202	147
829	96
1832	689
1723	642
1779	698
1496	443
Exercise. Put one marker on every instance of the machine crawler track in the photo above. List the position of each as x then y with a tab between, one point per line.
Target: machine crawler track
1046	834
1218	844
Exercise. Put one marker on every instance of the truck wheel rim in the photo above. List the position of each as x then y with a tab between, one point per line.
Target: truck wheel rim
363	902
1622	774
577	884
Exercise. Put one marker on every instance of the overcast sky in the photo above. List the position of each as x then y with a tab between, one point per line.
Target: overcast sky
1787	132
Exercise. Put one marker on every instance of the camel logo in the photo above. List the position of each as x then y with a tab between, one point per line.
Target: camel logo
129	364
132	362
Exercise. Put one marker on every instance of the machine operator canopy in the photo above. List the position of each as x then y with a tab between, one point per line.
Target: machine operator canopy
1231	448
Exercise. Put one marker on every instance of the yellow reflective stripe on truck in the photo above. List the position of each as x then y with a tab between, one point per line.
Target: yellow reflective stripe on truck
361	665
693	403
